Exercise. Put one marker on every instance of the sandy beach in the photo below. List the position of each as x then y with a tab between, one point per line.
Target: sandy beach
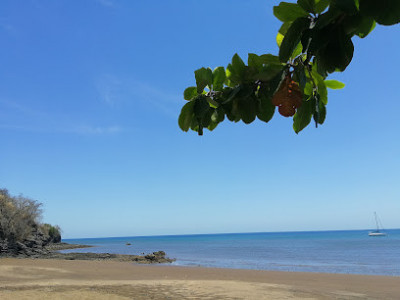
63	279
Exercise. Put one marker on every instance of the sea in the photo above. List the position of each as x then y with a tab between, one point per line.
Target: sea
349	252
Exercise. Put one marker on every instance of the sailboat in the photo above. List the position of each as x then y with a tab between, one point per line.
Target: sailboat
377	232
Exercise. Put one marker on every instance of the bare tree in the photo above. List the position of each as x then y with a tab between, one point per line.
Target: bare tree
19	216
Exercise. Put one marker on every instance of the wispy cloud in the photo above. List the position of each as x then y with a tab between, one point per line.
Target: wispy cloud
117	91
91	130
17	117
7	27
107	3
110	89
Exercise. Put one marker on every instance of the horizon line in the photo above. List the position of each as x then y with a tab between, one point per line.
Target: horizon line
224	233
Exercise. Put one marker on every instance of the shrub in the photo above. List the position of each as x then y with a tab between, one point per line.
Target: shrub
19	216
20	220
53	232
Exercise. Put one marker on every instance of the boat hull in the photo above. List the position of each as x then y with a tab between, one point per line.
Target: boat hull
377	234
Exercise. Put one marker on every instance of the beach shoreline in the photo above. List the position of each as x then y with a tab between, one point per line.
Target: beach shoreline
52	251
63	279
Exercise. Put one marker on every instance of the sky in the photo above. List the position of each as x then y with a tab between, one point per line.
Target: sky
90	93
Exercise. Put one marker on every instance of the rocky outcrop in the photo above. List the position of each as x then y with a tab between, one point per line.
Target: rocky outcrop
38	248
155	256
151	258
64	246
33	246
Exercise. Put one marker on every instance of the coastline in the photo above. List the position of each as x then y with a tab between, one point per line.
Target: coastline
64	279
51	251
339	251
65	246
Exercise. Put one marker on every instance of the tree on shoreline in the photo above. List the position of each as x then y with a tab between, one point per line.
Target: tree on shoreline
315	40
20	225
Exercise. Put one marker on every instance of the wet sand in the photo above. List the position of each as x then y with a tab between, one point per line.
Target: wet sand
63	279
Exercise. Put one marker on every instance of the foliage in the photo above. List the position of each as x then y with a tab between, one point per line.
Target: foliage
20	218
315	40
53	232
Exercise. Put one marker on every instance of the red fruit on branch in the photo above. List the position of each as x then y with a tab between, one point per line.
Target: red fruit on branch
288	97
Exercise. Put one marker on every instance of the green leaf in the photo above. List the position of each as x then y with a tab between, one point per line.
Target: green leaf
289	11
238	64
203	78
238	105
270	59
248	109
303	115
264	94
328	18
253	61
347	6
284	27
259	63
320	37
235	111
334	84
232	94
308	89
300	76
190	93
307	5
297	51
236	70
320	115
219	77
186	116
279	39
322	90
268	72
337	53
206	119
385	12
212	102
218	115
292	38
358	24
366	27
202	113
194	125
266	109
200	107
321	5
212	126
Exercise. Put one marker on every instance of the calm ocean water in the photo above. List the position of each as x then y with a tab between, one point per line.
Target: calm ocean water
323	251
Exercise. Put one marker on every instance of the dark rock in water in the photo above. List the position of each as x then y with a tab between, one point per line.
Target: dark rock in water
159	254
38	245
64	246
150	257
36	248
155	257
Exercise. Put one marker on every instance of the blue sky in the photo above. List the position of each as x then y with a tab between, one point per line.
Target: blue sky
90	93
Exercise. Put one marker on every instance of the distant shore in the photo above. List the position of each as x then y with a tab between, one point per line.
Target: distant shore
63	279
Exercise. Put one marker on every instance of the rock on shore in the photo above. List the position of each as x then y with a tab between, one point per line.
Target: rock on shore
34	248
152	258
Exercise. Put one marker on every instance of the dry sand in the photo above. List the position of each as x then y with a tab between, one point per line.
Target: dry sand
62	279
